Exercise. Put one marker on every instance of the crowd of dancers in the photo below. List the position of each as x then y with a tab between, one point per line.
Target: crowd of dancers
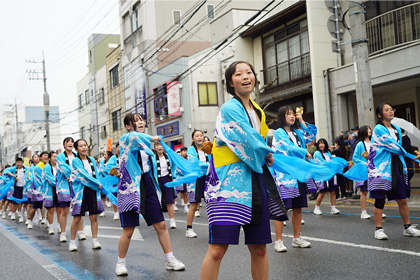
245	178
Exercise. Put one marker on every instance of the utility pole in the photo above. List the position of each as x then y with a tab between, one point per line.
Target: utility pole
46	96
46	104
17	129
364	95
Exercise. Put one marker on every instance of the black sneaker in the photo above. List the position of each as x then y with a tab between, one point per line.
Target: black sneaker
313	196
356	196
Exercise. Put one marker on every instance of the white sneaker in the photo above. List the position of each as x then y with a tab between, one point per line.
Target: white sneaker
63	238
40	219
317	211
302	222
96	245
9	214
174	264
197	213
335	211
412	231
21	220
121	269
27	222
13	217
284	223
190	233
19	214
51	231
175	208
58	229
380	234
102	214
364	216
43	221
185	210
4	215
30	225
72	247
81	236
279	246
108	204
383	215
300	243
116	216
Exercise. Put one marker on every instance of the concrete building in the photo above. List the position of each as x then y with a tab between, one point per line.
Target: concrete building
117	83
94	97
393	29
157	37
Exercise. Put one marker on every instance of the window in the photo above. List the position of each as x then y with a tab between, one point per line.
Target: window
116	120
135	20
207	94
127	98
128	104
103	132
210	11
126	76
87	97
82	132
176	16
127	25
81	100
286	55
114	76
101	96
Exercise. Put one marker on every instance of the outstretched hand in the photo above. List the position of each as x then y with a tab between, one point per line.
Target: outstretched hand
207	147
417	155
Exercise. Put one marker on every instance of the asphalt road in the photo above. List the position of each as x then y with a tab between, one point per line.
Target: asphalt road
343	247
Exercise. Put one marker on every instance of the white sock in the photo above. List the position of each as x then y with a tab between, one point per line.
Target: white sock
169	256
73	242
22	211
63	234
172	220
13	214
333	207
94	240
316	207
79	232
364	212
51	226
121	260
38	211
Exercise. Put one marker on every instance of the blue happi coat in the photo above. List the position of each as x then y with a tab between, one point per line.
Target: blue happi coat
379	161
287	183
64	188
193	157
37	194
29	182
228	193
9	182
81	178
359	159
49	180
130	172
319	159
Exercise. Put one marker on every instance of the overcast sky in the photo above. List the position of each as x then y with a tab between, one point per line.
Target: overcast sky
60	28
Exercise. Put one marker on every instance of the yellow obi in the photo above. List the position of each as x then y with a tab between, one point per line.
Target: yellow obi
223	155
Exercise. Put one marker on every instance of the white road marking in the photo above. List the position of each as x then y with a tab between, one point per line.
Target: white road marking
136	234
341	243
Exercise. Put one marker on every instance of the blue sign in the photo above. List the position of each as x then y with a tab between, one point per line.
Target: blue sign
168	129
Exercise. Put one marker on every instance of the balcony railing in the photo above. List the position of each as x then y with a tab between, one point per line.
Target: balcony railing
393	28
294	69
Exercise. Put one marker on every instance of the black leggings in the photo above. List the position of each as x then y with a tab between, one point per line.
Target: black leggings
379	203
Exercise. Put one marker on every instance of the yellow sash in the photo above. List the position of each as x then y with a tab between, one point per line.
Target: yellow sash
223	155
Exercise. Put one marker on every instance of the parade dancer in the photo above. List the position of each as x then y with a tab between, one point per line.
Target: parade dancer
360	155
35	160
87	194
37	194
18	183
387	171
240	190
321	156
64	188
138	191
49	186
183	189
114	162
164	173
196	189
290	139
104	168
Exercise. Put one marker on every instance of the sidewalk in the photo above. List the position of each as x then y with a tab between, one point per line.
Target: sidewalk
413	201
